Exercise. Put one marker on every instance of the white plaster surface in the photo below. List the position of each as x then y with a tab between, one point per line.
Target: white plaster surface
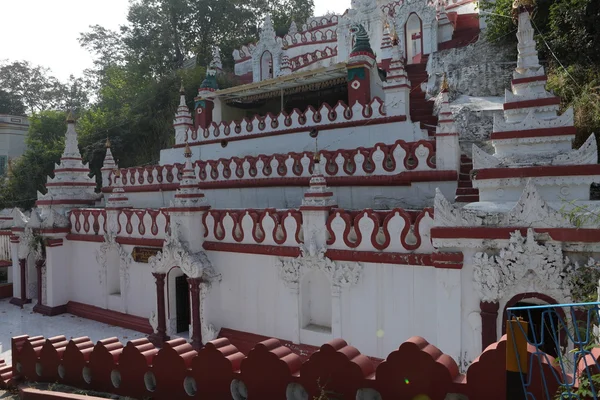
15	321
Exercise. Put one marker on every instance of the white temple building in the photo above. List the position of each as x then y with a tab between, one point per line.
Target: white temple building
326	197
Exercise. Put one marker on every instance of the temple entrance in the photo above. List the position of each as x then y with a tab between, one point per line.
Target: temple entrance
182	303
540	319
413	30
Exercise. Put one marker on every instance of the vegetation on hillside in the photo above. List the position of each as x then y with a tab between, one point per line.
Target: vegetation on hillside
134	83
568	39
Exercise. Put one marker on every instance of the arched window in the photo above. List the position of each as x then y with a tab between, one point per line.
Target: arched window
414	39
266	66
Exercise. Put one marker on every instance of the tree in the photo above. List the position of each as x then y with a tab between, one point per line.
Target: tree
45	143
11	104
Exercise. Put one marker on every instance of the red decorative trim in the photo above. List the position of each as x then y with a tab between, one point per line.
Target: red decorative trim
65	202
549	101
325	194
109	317
324	127
49	311
447	260
54	242
559	131
72	170
85	238
72	158
6	233
73	184
445	134
19	302
397	86
558	234
281	251
530	79
459	3
141	242
534	172
380	257
292	45
5	263
405	178
6	290
189	196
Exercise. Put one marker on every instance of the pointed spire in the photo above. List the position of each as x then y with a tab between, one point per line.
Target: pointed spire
293	28
71	185
446	124
189	194
362	45
527	60
117	199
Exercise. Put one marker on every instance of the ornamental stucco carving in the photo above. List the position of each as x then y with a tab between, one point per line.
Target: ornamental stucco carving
482	160
532	122
110	244
585	155
175	254
447	214
339	274
522	263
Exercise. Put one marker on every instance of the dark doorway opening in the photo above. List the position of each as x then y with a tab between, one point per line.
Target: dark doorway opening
182	302
541	319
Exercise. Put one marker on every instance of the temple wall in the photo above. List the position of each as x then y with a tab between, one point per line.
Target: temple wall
390	303
349	137
416	195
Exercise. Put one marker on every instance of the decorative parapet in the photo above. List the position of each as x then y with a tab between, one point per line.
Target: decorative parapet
270	370
292	169
268	227
313	37
395	231
130	223
306	59
296	121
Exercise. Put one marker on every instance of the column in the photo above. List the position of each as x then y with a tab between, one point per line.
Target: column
23	278
194	285
160	336
489	318
39	264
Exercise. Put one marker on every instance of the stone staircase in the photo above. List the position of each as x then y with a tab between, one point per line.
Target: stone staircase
466	30
465	192
421	110
5	374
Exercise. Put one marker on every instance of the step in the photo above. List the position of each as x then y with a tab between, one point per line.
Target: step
467	191
466	199
465	184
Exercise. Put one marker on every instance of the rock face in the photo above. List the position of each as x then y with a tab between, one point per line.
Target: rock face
481	69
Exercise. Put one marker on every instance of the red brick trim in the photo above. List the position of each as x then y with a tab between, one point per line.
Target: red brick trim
64	202
380	257
549	101
28	393
5	263
396	86
85	238
530	79
109	317
405	178
141	242
6	290
321	128
534	172
447	260
559	131
19	302
49	311
281	251
558	234
54	242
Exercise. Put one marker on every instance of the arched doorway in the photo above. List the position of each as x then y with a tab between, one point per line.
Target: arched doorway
179	312
413	34
540	320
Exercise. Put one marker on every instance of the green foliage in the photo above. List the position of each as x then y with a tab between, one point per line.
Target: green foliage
11	104
45	143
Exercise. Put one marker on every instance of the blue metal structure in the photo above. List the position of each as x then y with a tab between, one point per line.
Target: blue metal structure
566	331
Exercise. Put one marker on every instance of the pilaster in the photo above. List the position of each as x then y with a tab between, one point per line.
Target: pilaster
446	135
194	285
160	334
57	265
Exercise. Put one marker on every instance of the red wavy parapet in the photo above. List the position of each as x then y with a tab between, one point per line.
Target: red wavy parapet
270	370
131	222
326	117
304	60
381	160
310	37
397	230
268	226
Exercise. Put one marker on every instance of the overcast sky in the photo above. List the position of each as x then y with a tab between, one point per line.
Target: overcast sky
45	32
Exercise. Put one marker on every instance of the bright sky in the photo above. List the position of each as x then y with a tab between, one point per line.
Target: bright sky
46	32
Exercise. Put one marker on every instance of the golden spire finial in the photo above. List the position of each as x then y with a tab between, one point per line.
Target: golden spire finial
107	144
445	87
117	173
187	152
